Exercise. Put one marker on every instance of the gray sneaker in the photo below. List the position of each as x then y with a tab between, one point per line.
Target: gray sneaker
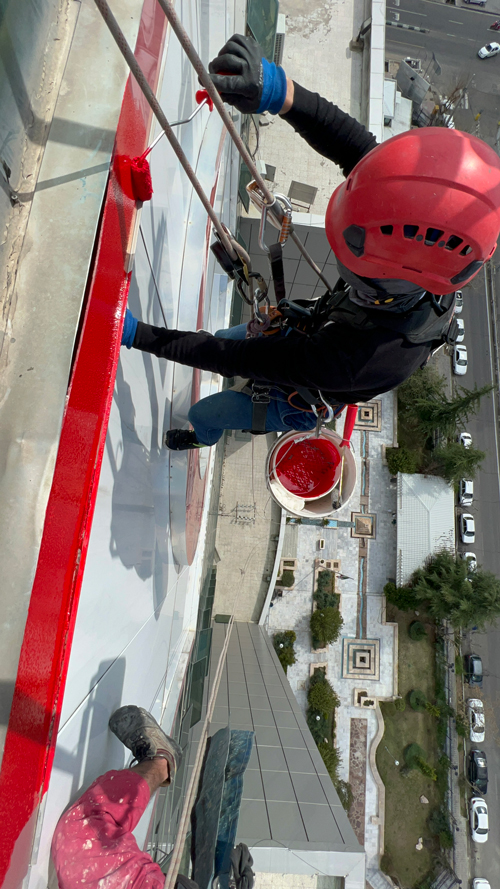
137	729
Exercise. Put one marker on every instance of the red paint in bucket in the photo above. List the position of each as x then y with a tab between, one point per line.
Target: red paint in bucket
307	468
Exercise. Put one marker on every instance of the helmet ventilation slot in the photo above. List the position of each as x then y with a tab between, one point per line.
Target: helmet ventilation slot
466	250
386	229
453	242
432	236
410	231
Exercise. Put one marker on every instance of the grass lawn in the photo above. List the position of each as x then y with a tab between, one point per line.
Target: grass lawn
405	815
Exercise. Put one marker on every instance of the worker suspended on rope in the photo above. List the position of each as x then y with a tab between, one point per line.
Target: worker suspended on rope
416	217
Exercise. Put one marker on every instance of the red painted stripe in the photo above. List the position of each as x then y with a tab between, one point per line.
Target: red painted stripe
43	663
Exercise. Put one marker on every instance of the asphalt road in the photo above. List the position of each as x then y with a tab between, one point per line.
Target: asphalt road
454	35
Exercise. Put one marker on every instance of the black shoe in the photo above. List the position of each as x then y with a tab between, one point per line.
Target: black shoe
140	732
182	440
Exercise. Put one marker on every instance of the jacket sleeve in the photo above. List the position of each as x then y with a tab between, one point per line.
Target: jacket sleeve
327	129
289	361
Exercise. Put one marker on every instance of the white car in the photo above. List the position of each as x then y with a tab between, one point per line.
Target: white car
465	439
461	330
479	883
491	49
471	559
459	302
460	360
466	492
467	528
478	815
475	709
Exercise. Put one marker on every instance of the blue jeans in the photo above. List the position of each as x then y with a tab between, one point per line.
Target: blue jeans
233	410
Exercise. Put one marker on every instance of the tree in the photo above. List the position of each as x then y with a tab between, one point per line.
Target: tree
321	696
401	460
325	626
446	591
435	409
452	461
402	597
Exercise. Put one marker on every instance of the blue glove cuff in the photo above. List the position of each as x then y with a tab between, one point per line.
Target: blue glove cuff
129	329
274	88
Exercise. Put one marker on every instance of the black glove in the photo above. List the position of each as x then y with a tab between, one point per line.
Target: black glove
247	80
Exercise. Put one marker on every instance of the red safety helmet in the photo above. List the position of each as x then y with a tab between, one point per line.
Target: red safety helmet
423	207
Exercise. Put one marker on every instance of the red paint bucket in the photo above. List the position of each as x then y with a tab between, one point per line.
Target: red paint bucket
307	468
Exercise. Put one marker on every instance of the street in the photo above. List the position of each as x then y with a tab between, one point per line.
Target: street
454	34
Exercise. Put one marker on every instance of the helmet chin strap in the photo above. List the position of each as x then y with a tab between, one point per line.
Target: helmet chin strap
387	294
401	303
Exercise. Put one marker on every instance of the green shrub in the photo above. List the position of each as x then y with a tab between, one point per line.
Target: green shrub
401	460
417	631
459	665
425	768
389	708
287	579
325	626
432	709
326	581
286	638
326	600
417	700
332	759
446	839
319	675
400	704
402	597
283	646
443	767
322	697
318	725
461	724
411	754
344	793
438	821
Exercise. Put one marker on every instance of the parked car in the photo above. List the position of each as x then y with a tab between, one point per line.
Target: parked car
479	883
475	709
461	330
467	528
465	439
473	669
459	302
466	492
471	559
488	51
460	360
478	770
478	816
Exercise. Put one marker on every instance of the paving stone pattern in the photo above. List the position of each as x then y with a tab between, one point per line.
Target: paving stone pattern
361	605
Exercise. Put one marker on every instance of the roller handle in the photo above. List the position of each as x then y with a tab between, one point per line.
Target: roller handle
350	419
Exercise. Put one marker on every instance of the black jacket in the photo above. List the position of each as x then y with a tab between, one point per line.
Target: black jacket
346	364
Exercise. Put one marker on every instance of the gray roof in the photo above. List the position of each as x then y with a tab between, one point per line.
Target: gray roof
425	520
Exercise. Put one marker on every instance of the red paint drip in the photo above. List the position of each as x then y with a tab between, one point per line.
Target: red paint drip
307	468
